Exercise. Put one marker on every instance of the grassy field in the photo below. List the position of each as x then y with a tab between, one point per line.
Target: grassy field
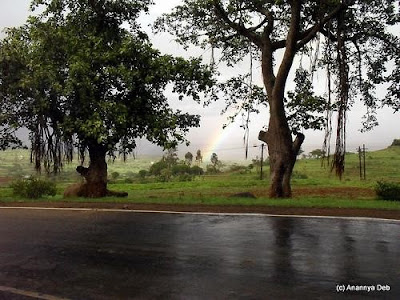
313	184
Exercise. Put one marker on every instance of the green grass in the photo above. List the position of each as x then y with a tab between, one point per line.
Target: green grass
309	176
306	202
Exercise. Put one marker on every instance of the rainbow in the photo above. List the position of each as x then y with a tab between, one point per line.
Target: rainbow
218	141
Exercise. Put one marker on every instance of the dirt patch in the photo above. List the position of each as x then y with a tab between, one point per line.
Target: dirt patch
343	212
340	192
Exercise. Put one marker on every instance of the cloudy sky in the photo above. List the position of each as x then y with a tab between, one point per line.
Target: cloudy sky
210	137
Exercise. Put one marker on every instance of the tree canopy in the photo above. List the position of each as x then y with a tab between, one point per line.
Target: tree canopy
352	40
83	73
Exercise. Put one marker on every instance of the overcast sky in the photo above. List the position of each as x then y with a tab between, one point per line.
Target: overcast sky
230	146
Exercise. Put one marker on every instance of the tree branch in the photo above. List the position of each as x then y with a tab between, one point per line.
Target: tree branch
298	142
290	50
241	29
268	18
310	33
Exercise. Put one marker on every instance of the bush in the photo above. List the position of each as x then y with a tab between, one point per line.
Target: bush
128	180
156	168
212	170
388	190
239	169
33	188
180	169
396	142
165	175
143	173
185	177
196	170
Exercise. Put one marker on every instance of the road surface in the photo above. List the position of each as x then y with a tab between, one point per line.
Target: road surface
89	254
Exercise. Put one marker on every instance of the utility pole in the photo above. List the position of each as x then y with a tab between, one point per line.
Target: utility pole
262	161
365	177
359	161
362	163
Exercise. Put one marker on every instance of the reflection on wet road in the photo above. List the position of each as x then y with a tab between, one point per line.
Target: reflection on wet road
122	255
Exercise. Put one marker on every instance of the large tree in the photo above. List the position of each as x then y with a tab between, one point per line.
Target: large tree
83	74
355	47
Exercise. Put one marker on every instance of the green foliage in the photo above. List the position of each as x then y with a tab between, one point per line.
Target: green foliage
196	170
165	175
143	173
317	153
8	139
171	156
128	180
305	109
355	41
396	142
215	164
211	169
185	177
188	158
388	190
180	169
239	169
155	169
33	188
83	73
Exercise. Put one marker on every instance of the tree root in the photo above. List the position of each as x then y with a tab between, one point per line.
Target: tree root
81	190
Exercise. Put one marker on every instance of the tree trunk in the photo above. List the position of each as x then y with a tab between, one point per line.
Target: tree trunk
282	158
95	185
96	175
282	150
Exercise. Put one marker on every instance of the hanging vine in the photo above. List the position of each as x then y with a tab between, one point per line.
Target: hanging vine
247	121
48	148
343	97
326	148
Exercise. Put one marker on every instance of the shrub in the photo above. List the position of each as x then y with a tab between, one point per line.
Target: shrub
165	175
143	173
180	169
396	142
185	177
33	188
128	180
196	170
157	167
388	190
238	169
212	170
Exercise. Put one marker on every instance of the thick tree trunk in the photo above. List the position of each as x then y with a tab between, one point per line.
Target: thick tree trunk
282	150
96	175
95	185
282	157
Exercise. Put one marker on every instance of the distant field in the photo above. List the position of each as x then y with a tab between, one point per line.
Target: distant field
313	185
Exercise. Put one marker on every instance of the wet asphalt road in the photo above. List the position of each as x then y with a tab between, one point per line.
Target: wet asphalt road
125	255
